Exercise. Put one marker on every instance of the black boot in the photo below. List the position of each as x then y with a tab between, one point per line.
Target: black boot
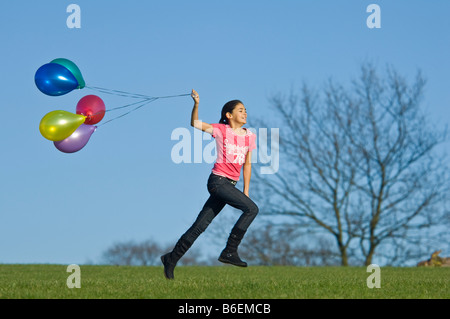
230	255
170	260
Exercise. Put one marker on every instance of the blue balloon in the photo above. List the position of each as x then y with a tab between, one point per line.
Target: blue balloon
54	79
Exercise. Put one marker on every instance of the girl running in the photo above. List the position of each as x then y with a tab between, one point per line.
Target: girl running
234	150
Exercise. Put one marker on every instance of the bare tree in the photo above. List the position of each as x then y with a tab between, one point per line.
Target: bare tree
359	164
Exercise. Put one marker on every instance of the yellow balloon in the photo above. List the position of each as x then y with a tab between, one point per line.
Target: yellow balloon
59	125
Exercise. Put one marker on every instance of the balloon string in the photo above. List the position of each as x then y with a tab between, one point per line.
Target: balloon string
143	103
146	100
132	95
119	93
170	96
125	106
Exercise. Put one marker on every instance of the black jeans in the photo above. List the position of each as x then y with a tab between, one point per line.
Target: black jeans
222	191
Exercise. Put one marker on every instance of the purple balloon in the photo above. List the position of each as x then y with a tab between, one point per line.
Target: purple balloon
77	140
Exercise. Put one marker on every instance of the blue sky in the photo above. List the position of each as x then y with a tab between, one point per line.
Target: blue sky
61	208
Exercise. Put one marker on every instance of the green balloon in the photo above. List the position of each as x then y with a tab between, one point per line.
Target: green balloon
72	67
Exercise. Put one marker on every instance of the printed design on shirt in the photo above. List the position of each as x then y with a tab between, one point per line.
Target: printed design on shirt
237	151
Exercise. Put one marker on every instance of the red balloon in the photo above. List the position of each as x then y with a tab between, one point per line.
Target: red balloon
92	107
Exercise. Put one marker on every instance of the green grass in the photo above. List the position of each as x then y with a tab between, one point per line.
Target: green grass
224	282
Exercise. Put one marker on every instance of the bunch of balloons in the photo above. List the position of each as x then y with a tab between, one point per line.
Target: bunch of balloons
69	132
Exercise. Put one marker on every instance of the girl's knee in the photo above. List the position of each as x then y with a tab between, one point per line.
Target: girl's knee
253	209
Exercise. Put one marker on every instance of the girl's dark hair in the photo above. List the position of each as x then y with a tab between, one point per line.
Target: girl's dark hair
228	107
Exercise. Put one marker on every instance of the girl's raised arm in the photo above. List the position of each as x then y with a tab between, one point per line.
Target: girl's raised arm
205	127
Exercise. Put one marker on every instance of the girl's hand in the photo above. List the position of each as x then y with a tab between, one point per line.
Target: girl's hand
195	96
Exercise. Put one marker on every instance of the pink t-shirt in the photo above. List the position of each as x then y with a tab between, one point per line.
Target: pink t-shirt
231	150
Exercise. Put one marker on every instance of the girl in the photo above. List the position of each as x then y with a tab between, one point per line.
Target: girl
234	150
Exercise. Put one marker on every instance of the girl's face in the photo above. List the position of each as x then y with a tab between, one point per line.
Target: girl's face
239	114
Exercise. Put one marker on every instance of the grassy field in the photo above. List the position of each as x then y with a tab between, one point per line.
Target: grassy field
221	282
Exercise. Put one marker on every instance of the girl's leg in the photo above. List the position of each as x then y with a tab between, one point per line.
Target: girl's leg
210	210
212	207
230	195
